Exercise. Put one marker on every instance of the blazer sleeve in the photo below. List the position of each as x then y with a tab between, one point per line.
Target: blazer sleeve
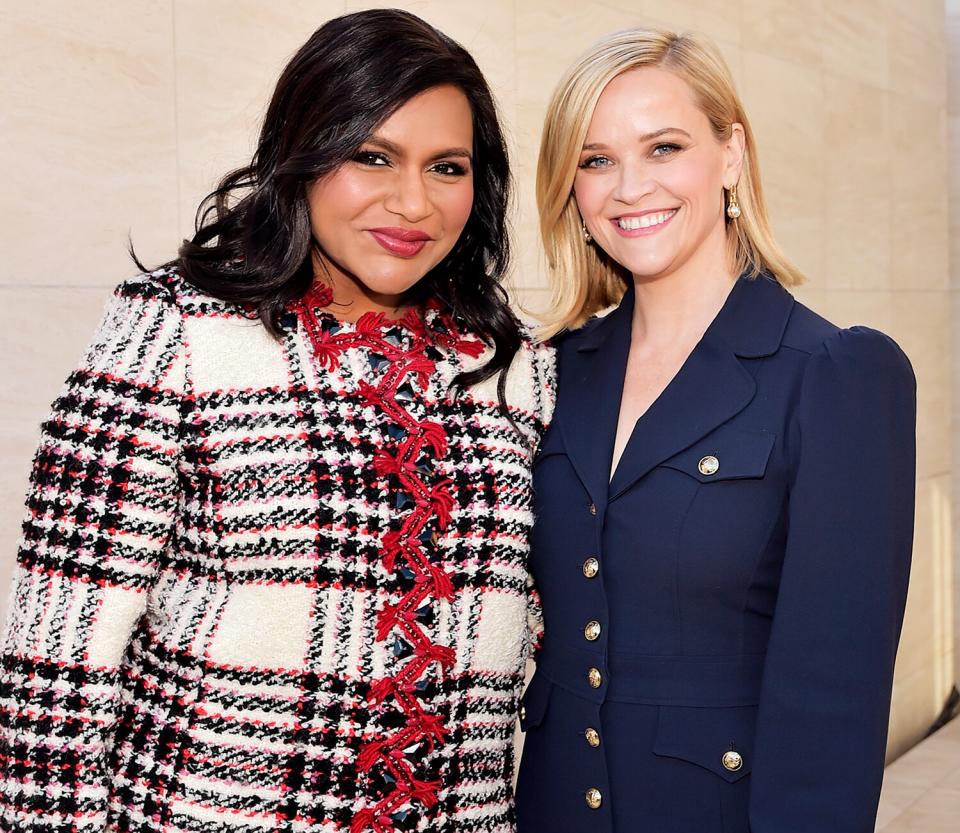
825	698
100	508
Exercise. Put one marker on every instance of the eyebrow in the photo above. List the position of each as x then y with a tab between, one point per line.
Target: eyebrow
646	137
390	147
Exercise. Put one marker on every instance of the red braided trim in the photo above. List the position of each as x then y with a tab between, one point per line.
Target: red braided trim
432	504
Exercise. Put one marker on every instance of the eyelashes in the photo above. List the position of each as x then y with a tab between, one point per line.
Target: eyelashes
450	168
594	162
669	147
365	157
660	151
376	159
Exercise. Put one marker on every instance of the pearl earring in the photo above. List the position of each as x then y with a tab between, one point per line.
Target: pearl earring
586	234
733	207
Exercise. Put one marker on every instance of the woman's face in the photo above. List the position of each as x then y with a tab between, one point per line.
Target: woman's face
650	179
393	212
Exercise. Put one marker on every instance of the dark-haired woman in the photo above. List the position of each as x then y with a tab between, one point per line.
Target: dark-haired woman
273	572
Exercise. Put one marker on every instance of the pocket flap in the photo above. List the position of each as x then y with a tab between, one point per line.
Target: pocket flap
718	739
725	455
533	704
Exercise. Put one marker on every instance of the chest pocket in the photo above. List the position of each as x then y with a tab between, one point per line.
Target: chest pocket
725	454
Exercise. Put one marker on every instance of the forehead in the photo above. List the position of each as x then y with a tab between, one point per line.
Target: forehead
644	100
439	116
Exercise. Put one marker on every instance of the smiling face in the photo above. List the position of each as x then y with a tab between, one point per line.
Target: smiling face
650	178
392	213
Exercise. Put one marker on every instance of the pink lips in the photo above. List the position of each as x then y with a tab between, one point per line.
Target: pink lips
400	241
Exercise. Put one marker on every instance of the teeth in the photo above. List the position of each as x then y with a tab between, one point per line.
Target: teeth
647	220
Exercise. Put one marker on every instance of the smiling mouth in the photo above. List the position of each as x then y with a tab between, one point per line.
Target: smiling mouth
657	218
400	242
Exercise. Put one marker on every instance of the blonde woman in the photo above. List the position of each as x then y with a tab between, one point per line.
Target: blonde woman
724	500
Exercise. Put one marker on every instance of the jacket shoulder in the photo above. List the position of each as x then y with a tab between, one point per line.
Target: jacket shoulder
859	348
806	331
168	284
161	284
567	340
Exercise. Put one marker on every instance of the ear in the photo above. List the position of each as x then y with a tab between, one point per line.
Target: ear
733	151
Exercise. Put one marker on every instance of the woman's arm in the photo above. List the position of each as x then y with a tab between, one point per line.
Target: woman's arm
545	387
102	501
822	724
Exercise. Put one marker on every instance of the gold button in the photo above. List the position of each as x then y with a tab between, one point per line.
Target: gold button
593	509
594	678
594	798
732	761
708	465
591	567
523	712
592	736
592	630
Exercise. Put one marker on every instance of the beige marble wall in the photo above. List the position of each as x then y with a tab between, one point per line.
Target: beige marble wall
119	114
953	145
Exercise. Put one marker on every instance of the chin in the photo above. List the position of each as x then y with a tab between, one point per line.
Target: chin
393	284
647	267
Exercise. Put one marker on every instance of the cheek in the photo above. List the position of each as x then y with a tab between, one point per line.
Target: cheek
694	179
455	204
590	192
338	198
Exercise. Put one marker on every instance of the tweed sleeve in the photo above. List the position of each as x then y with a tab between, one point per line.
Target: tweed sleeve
101	504
545	383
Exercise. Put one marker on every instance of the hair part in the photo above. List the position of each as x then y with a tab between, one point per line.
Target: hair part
253	243
584	279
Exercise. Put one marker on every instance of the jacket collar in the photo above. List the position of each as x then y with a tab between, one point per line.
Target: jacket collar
752	320
712	386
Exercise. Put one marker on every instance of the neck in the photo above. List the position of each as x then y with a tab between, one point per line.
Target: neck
676	307
352	299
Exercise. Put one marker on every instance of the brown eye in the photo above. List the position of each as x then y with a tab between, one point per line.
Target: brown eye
372	159
449	169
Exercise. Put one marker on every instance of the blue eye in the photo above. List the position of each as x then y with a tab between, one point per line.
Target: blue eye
595	162
367	157
666	149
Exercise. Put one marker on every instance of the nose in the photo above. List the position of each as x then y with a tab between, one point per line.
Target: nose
634	183
409	197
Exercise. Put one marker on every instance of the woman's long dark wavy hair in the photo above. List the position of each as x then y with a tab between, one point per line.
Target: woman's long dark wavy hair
253	243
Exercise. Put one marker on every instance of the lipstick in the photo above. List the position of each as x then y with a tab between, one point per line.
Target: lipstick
400	241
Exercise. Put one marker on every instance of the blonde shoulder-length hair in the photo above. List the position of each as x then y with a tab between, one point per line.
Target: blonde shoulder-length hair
584	280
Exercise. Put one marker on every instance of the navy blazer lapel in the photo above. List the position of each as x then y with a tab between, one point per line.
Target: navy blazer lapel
710	388
590	388
713	385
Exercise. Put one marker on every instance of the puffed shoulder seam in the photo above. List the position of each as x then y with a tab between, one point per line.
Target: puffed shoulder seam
857	364
861	349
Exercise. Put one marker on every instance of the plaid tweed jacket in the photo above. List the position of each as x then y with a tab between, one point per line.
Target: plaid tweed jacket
271	585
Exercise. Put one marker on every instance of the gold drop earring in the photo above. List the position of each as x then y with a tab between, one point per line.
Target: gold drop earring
588	238
733	207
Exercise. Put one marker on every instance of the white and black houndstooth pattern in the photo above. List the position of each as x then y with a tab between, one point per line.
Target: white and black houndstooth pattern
192	641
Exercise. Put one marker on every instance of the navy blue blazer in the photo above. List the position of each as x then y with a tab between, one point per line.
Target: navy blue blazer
721	618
